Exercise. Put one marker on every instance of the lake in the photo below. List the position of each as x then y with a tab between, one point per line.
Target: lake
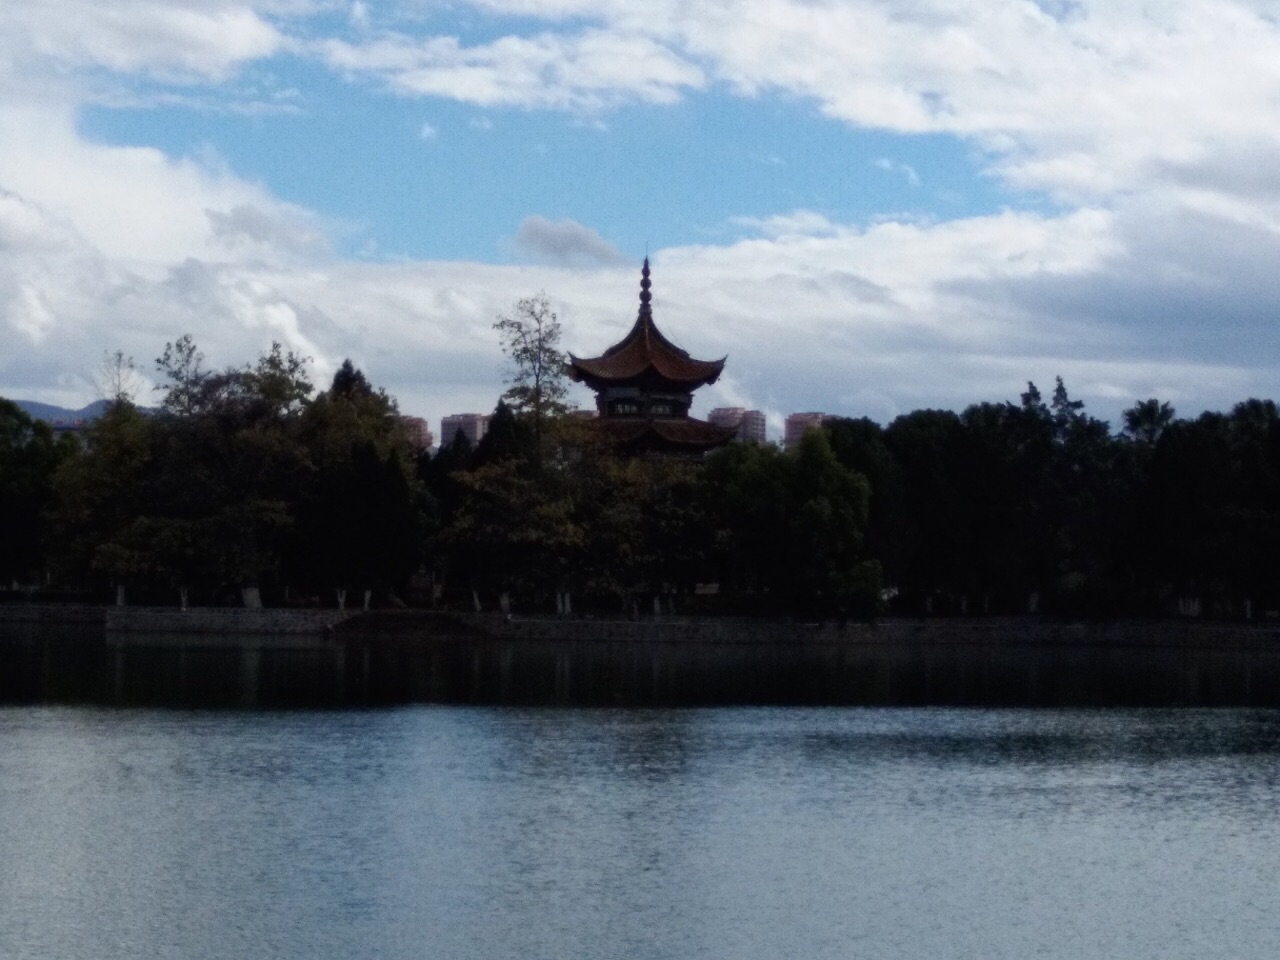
468	832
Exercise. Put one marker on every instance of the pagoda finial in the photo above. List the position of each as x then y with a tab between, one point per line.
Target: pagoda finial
645	320
645	295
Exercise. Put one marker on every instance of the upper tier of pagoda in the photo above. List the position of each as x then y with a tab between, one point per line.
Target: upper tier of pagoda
644	388
644	356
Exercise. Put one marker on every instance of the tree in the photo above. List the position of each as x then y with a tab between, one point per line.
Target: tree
507	438
350	382
118	378
642	523
1067	413
29	456
229	469
101	495
747	496
1086	501
1146	420
361	526
530	338
182	366
828	516
928	551
349	413
278	382
860	446
787	529
361	503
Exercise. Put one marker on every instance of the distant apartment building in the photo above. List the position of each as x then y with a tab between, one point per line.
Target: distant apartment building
418	432
798	424
749	423
473	426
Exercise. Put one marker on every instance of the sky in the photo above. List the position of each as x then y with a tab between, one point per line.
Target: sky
869	207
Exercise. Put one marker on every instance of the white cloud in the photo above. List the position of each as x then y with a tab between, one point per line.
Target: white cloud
427	132
1085	101
586	71
858	321
1155	125
208	41
134	203
913	178
805	223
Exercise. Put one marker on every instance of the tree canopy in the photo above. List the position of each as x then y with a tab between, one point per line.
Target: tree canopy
247	477
530	337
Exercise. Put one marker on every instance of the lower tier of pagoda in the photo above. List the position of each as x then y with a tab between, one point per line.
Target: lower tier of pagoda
682	435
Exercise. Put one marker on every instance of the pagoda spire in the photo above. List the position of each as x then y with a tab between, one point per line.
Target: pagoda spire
644	387
644	353
646	311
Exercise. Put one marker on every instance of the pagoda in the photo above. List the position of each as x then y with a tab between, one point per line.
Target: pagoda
644	387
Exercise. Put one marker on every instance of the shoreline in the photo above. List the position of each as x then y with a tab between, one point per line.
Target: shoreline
231	657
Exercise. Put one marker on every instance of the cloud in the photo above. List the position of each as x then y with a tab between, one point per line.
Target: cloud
1155	127
136	204
47	271
805	223
1177	285
875	320
1084	101
913	178
208	41
427	132
280	230
109	247
564	243
586	71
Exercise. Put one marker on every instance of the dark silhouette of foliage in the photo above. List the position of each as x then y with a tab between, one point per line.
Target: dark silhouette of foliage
349	382
29	458
507	438
1146	420
538	385
246	477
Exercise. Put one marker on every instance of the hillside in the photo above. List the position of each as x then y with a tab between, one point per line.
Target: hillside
52	414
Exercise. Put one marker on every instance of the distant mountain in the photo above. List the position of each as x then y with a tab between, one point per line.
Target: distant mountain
51	414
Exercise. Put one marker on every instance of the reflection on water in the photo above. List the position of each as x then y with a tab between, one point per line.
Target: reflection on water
491	833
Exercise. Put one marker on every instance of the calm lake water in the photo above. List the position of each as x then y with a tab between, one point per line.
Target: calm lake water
772	833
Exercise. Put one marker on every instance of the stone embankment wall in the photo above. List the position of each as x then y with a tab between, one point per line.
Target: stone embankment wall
199	656
282	658
1019	631
1009	662
221	621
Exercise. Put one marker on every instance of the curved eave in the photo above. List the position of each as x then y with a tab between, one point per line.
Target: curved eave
670	434
690	374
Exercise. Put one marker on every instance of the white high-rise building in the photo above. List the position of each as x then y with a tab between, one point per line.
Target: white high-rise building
418	432
750	424
473	426
798	424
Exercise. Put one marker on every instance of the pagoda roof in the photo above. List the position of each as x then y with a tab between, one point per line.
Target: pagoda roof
682	433
644	350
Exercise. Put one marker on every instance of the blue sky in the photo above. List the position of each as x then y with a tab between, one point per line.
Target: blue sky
871	207
443	180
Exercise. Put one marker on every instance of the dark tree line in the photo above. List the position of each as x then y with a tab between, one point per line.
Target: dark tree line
247	482
1037	505
560	519
244	481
